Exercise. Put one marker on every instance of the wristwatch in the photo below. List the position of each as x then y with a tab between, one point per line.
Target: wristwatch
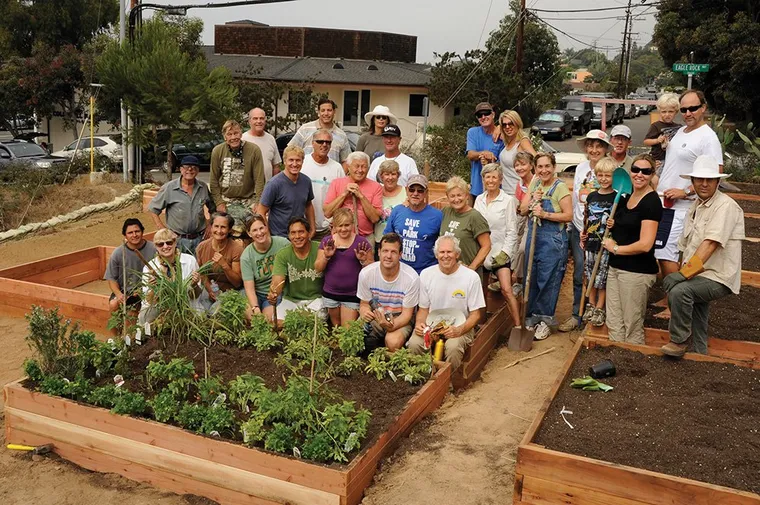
615	249
688	192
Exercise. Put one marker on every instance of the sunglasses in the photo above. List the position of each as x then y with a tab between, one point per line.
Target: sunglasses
383	118
645	171
507	124
417	189
320	142
161	244
483	113
693	108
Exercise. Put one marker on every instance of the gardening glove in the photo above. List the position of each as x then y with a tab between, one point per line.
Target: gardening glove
672	281
499	260
589	384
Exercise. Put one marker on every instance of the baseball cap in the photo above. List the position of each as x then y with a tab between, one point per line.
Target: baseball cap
483	106
190	160
391	130
593	135
418	179
621	129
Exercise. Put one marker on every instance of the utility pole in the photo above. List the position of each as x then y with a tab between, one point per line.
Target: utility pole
623	49
628	60
520	38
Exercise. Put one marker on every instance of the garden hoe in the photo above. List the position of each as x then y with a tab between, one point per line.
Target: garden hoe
621	182
521	339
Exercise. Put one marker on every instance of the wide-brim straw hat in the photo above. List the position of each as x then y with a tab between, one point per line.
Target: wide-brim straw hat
380	110
705	167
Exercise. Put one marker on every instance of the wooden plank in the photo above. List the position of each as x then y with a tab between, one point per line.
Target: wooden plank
35	267
13	287
623	482
547	492
751	215
51	277
94	319
167	460
170	437
172	482
747	197
751	278
147	196
489	338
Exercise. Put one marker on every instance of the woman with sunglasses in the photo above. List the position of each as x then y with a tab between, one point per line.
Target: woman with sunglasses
168	263
223	252
371	142
632	266
548	200
256	264
515	140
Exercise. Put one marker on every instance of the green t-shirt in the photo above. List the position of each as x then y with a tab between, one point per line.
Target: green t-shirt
257	267
303	282
466	227
559	193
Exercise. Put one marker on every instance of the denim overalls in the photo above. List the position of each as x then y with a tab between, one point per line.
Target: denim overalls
549	264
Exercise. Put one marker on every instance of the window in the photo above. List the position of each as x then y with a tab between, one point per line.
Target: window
99	142
415	105
338	66
364	104
371	67
355	105
299	102
4	154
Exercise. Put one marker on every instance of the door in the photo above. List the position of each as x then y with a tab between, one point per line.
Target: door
355	105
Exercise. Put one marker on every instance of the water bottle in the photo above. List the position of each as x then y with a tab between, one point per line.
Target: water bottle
214	288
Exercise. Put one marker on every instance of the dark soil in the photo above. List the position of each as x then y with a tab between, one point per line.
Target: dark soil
751	254
751	206
697	420
751	227
748	187
734	317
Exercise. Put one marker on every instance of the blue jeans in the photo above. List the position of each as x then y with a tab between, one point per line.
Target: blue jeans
187	245
549	265
575	247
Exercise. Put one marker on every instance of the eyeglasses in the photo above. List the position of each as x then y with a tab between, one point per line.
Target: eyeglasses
167	243
320	142
645	171
693	108
190	167
416	189
483	113
507	124
382	118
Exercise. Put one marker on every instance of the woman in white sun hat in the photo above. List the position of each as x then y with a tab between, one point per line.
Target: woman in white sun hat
372	141
711	248
595	145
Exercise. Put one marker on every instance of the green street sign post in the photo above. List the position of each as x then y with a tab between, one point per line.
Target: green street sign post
691	68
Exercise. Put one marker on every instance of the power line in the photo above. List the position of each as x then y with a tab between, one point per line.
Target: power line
596	19
594	10
485	22
571	37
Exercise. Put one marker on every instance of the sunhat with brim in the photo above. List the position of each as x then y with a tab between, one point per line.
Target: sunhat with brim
380	110
705	167
594	135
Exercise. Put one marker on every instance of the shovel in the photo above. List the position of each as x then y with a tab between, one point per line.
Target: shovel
521	339
621	182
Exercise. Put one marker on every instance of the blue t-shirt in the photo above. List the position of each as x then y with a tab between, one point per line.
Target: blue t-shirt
479	140
286	199
418	231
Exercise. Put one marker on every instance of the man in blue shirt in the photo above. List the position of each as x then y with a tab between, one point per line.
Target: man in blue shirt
481	149
418	225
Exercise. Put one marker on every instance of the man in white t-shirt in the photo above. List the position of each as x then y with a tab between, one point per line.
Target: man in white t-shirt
407	166
394	289
257	119
691	141
449	285
322	171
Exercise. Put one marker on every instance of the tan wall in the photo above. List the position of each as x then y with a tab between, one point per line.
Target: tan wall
61	137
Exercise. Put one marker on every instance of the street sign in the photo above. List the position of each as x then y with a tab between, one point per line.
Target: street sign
691	68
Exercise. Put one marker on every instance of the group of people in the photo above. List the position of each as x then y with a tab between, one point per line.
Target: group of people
352	234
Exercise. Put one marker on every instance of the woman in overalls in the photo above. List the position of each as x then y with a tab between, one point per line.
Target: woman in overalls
549	200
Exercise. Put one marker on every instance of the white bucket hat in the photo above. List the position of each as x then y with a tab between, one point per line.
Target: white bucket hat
380	110
705	167
594	135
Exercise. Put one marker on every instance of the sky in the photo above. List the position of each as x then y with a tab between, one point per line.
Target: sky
440	25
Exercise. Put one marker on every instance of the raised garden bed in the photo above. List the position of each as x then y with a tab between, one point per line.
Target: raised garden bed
183	462
751	227
477	355
750	256
749	206
747	188
696	419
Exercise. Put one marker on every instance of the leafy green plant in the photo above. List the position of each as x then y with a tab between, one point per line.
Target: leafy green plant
231	312
118	399
261	335
349	365
350	338
280	438
205	419
164	406
301	347
377	363
177	375
412	368
57	385
209	389
245	390
725	135
32	370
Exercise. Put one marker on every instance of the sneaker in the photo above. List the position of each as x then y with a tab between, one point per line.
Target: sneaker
495	287
598	317
588	313
517	289
542	331
570	324
674	350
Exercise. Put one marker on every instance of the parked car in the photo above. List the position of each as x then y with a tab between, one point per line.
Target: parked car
104	144
566	161
613	115
283	139
555	122
582	112
630	111
29	152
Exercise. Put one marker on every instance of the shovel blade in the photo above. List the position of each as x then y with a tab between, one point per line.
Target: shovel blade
520	339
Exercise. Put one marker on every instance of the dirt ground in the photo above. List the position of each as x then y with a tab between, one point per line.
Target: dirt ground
464	453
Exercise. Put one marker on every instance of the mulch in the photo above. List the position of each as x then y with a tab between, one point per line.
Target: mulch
697	420
749	206
751	227
747	187
750	253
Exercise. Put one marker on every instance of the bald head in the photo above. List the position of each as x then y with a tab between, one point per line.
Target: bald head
257	119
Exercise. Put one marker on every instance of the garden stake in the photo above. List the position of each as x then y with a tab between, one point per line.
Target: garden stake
205	362
274	306
313	355
124	289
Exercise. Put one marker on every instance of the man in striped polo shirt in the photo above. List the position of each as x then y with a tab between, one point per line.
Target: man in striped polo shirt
340	148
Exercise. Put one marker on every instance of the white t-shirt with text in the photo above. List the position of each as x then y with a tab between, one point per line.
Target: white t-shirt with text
407	166
461	290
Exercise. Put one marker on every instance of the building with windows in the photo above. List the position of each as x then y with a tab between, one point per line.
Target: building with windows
356	69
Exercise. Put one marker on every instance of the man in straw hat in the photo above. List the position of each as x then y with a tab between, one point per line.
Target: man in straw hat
711	258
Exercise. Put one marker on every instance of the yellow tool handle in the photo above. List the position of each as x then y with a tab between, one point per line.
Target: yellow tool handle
18	447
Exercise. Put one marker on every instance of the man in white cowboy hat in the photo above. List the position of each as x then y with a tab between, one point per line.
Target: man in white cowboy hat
711	252
406	164
371	142
620	140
